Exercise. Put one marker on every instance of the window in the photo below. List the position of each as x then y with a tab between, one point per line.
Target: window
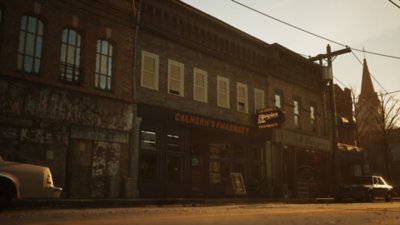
259	100
296	112
175	78
242	97
70	56
103	65
200	87
30	45
223	92
149	74
278	101
313	121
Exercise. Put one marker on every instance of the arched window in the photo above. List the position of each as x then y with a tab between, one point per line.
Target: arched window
30	45
103	65
70	56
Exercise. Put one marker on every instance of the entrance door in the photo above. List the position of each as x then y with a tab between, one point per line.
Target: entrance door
162	163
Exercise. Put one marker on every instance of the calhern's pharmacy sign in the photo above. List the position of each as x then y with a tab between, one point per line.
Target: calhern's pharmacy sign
199	121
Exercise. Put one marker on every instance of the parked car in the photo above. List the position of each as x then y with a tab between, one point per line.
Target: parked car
25	181
365	188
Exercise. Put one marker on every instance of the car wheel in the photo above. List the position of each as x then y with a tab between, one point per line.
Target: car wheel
388	197
5	198
370	196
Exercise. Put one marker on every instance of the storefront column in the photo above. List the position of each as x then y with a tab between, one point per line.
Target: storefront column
131	183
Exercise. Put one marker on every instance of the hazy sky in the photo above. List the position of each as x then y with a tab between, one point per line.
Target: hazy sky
373	25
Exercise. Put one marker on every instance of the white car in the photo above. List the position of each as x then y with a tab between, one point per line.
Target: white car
25	181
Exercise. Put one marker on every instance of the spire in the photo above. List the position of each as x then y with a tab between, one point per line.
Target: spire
367	88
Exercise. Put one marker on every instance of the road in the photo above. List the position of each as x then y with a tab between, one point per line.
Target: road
255	214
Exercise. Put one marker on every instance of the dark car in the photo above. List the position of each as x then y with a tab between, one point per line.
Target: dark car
365	188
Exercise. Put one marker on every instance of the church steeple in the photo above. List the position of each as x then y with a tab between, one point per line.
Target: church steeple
367	88
369	105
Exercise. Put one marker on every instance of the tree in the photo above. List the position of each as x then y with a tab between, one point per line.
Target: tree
376	117
387	120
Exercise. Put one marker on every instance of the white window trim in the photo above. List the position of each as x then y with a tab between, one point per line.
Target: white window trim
205	96
246	97
156	72
262	93
181	81
223	79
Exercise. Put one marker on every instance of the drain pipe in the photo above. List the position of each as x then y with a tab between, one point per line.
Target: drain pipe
134	137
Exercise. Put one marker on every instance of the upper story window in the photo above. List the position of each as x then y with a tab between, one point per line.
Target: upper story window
30	45
149	73
296	112
223	92
104	64
313	121
259	99
200	87
242	97
279	100
175	77
70	56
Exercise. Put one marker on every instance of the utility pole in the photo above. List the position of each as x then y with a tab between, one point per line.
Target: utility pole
332	105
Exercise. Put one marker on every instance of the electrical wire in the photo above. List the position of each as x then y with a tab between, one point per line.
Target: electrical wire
398	6
314	34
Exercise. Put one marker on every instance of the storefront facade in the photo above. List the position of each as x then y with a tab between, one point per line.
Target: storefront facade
303	164
187	155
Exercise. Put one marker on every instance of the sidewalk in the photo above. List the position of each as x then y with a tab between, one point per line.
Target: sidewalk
101	203
114	203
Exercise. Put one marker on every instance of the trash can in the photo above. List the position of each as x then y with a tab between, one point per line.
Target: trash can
114	187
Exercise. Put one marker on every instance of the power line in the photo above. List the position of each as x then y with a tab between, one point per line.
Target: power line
313	34
398	6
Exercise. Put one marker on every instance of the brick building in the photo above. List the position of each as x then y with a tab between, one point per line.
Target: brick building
66	97
199	83
174	111
300	152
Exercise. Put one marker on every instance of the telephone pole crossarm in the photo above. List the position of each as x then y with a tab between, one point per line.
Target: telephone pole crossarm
330	55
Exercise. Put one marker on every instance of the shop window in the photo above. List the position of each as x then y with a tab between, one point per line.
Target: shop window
259	100
174	169
70	56
175	78
104	63
174	143
149	74
219	164
200	85
30	45
148	140
242	97
223	92
148	168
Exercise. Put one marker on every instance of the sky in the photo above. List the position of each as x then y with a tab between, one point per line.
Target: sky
373	25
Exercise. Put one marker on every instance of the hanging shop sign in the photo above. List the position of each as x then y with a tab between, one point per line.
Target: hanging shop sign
270	118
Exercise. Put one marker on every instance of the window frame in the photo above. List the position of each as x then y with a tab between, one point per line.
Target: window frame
109	75
297	112
227	98
262	94
155	73
181	81
204	97
245	98
38	39
77	58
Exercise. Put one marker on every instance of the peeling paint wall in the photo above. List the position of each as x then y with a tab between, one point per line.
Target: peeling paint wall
37	125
